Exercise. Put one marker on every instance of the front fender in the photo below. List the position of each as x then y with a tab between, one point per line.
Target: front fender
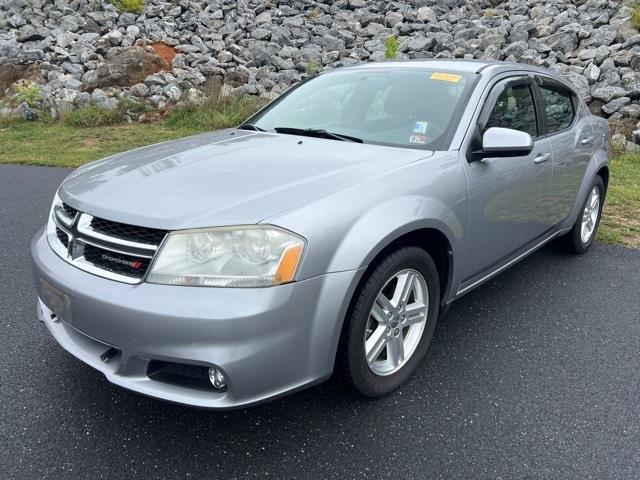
347	229
380	226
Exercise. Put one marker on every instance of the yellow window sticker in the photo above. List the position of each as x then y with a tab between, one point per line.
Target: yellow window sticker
447	77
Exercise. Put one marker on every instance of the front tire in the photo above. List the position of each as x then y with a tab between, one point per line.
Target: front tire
390	323
581	236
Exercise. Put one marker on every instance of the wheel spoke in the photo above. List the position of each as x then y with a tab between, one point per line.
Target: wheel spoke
403	289
385	305
395	349
595	199
375	344
416	313
379	314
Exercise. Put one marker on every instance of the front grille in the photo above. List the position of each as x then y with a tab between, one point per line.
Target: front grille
103	247
120	264
70	212
149	236
63	237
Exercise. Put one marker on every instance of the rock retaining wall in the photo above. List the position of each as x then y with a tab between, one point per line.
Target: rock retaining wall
87	52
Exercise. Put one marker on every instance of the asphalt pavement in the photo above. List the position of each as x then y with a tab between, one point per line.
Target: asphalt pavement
534	375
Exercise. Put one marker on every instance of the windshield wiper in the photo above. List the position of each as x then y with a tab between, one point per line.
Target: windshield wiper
319	133
251	126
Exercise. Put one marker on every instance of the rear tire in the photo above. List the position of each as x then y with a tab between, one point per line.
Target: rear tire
581	236
390	322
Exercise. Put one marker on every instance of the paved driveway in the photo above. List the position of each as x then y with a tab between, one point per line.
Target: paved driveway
534	375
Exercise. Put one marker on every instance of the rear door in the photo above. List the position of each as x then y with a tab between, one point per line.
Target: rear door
570	133
508	197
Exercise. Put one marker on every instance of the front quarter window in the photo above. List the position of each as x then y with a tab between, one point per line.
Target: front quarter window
407	107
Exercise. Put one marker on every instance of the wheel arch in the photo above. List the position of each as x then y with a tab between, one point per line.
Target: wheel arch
604	174
433	240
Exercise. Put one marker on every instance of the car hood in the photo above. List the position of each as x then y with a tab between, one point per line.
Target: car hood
223	178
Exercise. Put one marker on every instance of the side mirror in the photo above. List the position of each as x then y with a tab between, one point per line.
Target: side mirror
505	142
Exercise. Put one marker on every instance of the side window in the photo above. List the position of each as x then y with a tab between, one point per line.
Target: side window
514	109
558	107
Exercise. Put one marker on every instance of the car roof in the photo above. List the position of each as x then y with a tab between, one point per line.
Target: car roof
471	66
464	65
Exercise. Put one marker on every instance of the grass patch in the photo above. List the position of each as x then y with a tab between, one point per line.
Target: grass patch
93	116
214	113
55	144
621	216
92	133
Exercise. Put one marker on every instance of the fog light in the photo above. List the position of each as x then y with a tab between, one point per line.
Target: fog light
216	377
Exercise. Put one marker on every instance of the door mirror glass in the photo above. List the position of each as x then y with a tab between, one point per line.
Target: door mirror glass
506	142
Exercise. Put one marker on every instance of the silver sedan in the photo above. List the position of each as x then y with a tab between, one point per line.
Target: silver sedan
326	234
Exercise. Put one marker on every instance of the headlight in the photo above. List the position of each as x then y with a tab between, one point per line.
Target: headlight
56	207
251	256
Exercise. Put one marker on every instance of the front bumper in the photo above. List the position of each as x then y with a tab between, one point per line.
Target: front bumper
267	341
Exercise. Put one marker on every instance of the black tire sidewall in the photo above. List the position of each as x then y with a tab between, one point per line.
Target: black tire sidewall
361	376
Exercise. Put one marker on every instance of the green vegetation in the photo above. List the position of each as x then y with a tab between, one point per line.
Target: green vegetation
313	67
621	217
391	48
95	116
635	17
28	92
214	113
79	138
315	13
132	6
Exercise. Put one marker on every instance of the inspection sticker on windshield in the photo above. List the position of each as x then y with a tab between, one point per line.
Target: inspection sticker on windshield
417	139
447	77
420	127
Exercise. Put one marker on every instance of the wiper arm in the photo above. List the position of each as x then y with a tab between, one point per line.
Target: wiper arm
251	126
318	132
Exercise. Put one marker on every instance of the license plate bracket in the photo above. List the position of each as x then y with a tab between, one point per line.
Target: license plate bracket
56	300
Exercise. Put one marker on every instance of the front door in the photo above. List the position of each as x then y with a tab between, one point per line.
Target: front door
508	197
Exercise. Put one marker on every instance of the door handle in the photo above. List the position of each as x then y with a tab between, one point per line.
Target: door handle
542	157
586	140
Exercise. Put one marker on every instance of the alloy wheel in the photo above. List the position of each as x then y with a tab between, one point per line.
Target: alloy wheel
590	215
396	322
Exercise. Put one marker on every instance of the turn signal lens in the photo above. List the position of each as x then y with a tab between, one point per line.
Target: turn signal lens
288	264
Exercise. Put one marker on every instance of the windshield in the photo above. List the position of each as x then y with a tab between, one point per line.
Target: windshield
402	107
